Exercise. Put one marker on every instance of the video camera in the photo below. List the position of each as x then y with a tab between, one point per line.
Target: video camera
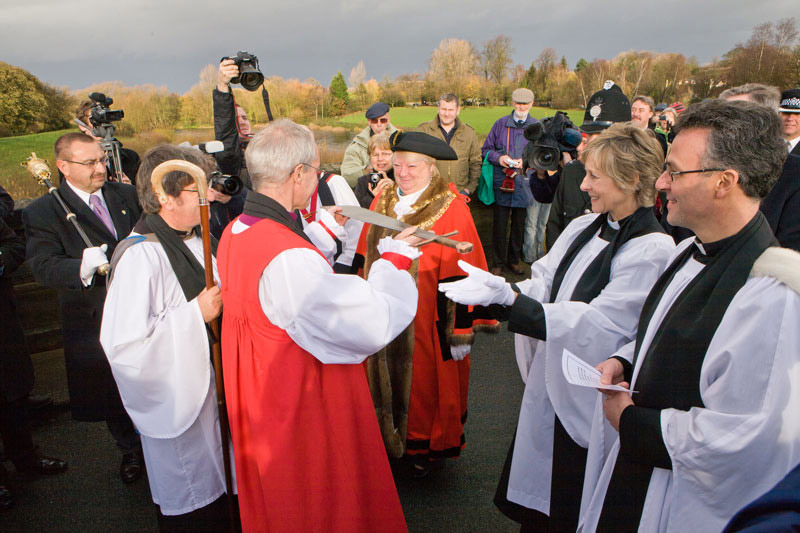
548	139
100	113
250	77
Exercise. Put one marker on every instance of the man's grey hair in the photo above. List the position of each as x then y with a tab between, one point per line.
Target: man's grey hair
767	95
743	136
645	99
449	97
276	150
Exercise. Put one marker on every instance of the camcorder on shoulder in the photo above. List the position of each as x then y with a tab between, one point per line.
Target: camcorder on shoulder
548	139
250	77
100	112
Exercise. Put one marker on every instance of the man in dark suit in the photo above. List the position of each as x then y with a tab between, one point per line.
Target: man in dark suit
790	114
16	376
59	259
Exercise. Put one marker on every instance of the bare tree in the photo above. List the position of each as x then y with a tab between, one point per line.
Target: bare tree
452	64
497	58
357	75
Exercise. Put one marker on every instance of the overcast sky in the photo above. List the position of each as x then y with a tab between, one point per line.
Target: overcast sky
76	43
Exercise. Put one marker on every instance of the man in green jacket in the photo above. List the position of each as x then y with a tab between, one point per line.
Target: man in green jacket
465	172
356	159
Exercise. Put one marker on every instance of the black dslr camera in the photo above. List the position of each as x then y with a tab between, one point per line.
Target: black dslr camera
548	139
249	76
230	185
100	113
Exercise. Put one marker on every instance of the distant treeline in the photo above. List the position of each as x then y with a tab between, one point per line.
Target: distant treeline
478	76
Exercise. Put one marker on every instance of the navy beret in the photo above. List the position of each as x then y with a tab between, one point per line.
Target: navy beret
422	143
377	110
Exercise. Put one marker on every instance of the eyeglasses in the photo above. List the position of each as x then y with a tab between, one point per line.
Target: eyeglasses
91	163
376	120
187	189
673	173
319	170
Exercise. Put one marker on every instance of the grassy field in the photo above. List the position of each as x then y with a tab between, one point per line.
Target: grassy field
13	150
480	118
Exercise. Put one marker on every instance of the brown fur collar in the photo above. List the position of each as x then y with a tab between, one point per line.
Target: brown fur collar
429	208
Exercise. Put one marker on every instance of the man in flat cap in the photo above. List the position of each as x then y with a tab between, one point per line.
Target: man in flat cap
790	114
356	158
512	192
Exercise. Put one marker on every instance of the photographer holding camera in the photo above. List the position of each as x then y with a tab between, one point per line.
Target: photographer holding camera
96	129
381	173
232	128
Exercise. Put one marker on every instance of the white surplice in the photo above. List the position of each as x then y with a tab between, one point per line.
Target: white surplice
592	331
342	195
337	318
157	345
747	435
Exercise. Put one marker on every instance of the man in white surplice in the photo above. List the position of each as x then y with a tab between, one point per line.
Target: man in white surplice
715	421
154	335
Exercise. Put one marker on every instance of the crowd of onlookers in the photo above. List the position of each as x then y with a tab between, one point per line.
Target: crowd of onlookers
590	279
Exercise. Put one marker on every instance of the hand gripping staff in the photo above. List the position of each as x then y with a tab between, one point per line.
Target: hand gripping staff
38	167
200	180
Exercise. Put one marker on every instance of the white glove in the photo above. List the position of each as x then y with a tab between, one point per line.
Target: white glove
92	258
460	352
478	288
388	244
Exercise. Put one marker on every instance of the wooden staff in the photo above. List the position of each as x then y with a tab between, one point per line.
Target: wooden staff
200	180
38	167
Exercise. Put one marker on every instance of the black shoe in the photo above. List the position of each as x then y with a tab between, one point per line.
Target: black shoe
131	467
38	401
41	464
6	497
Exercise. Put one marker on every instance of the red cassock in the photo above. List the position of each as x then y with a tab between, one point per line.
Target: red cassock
309	455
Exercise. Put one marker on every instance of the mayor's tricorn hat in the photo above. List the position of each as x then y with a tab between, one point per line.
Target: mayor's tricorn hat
605	107
422	143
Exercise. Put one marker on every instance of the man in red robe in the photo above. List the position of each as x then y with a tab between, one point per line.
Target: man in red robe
309	455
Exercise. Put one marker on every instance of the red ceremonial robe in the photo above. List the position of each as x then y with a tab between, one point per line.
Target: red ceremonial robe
436	406
307	446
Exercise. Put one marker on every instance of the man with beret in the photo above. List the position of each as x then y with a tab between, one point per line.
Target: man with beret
512	192
356	158
790	114
466	170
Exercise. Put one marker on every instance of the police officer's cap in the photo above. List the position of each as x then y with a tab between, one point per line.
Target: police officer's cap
606	106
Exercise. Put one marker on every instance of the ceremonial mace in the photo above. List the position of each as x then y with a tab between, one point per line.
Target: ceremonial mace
200	180
38	167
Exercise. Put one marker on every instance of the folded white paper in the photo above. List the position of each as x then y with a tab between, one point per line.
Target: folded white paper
578	372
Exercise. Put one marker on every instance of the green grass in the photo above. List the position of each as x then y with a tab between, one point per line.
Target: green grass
13	150
480	118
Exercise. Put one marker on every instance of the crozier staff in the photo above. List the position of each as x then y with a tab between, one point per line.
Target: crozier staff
422	403
584	296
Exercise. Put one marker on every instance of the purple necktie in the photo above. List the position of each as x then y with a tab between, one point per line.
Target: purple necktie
102	213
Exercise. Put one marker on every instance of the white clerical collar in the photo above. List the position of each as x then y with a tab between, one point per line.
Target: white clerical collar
700	247
612	223
405	201
83	195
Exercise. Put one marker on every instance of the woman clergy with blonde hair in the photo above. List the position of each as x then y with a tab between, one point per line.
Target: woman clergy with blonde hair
419	382
584	296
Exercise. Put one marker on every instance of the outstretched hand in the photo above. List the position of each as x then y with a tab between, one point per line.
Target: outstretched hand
478	288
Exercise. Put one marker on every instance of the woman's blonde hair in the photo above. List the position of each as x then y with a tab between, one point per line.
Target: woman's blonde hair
624	153
380	140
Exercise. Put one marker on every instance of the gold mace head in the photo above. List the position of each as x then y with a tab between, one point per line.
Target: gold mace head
38	167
